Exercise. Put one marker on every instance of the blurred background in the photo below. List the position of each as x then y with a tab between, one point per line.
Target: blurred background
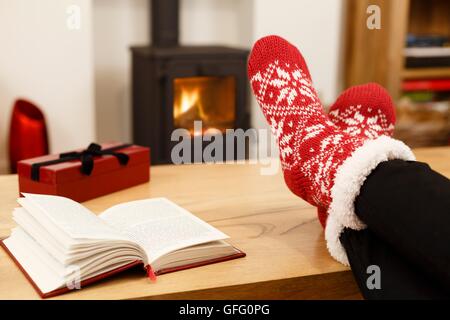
77	71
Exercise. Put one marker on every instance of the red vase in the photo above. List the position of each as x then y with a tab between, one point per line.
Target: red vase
28	133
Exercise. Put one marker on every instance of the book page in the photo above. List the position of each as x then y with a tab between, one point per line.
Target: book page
159	226
69	216
50	274
42	268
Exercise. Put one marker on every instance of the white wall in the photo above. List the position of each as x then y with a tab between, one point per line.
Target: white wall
117	25
42	60
222	22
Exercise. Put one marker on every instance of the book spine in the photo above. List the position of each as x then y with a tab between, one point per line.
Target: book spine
426	85
414	40
423	62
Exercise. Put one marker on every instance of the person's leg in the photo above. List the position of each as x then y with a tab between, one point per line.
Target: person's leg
398	278
407	204
321	163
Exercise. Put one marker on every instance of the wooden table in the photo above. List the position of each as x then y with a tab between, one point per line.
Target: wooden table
286	254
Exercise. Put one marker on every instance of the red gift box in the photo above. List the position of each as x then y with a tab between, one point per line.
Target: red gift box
85	174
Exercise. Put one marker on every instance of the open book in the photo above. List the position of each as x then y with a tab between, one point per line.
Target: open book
60	245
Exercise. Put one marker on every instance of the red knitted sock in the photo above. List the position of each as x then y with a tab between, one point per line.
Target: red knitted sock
365	110
321	164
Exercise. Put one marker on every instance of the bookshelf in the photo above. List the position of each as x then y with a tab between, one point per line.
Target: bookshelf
378	55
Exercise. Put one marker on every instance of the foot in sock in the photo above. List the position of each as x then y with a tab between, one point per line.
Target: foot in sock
321	163
366	111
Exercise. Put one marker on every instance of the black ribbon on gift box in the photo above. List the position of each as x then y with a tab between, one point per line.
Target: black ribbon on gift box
86	157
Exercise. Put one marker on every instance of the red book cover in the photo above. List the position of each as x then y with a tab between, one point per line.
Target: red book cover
426	85
111	273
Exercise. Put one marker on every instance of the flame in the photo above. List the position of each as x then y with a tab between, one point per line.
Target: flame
208	99
188	100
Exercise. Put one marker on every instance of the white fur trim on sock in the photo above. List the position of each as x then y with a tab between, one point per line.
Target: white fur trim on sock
349	178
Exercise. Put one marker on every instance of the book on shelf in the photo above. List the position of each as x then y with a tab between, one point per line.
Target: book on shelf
427	52
427	56
426	40
60	245
426	85
427	62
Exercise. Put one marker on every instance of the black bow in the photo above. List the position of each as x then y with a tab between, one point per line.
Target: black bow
86	157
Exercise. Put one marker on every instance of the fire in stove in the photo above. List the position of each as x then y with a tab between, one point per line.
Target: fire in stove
208	99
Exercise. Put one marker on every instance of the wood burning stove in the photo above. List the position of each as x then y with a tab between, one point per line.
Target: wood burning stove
175	85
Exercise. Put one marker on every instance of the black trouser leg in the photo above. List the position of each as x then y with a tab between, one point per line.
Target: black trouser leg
399	279
407	205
